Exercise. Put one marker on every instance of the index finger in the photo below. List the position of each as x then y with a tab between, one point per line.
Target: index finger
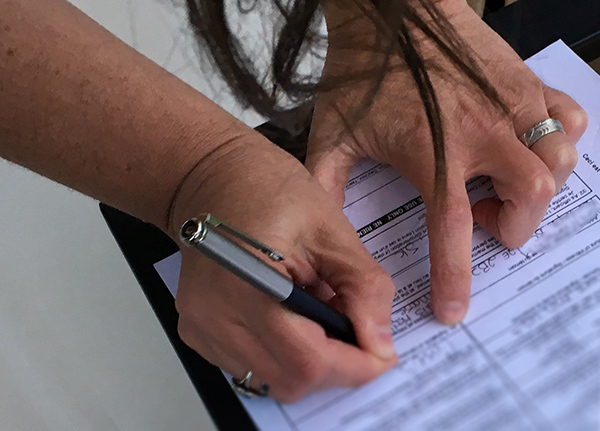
450	229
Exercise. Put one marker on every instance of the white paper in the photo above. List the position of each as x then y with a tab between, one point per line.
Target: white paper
527	355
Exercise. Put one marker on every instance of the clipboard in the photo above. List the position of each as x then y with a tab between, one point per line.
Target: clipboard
528	25
143	245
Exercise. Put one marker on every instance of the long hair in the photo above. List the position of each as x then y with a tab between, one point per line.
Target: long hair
298	31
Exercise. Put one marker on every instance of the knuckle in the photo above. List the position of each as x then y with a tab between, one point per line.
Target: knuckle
579	120
452	217
457	214
371	288
528	97
310	371
449	211
287	387
448	274
185	332
190	310
378	277
566	158
184	307
540	187
191	335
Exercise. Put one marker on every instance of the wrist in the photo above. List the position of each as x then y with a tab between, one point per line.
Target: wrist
241	166
196	179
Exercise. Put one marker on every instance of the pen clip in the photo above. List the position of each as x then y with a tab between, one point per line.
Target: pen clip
214	222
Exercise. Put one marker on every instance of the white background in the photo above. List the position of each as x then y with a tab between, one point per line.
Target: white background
80	348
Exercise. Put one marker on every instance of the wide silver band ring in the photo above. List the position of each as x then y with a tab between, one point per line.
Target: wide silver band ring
242	387
541	129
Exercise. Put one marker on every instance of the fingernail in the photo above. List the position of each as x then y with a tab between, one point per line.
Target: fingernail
384	343
451	312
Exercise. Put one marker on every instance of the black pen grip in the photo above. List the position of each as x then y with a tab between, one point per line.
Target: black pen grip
335	323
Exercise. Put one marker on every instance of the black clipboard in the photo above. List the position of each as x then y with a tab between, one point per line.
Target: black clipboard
528	25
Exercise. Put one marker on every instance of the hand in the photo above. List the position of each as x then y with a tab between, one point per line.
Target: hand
260	189
480	140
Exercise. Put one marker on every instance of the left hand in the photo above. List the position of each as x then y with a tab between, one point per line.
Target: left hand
479	140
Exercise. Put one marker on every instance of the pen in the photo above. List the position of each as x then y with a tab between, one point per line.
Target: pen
204	237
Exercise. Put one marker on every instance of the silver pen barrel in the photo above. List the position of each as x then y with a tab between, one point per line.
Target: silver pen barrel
236	259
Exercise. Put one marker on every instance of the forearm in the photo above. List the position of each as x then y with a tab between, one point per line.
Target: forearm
82	108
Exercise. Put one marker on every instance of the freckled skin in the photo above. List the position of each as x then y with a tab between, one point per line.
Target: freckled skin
89	119
79	106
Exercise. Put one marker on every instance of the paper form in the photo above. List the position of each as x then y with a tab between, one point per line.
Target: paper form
527	356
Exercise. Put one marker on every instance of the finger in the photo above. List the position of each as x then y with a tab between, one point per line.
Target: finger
321	291
231	344
450	228
299	345
247	354
342	264
525	187
555	149
351	367
362	286
571	115
316	362
212	322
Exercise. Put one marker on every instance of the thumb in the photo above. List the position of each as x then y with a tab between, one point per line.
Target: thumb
363	290
450	230
330	161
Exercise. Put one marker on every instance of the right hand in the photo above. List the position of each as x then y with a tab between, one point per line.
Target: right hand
266	193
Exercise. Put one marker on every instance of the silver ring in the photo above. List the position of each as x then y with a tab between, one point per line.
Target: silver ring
243	388
541	129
